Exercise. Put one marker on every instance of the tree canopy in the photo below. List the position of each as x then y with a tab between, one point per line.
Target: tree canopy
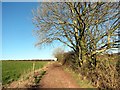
88	28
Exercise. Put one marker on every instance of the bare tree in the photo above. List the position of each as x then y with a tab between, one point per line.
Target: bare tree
58	53
87	28
103	30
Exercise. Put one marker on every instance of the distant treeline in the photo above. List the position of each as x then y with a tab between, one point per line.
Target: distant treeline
31	60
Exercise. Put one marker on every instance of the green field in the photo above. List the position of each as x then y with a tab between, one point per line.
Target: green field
12	70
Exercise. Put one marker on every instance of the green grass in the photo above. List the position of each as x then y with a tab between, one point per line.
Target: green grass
12	70
83	83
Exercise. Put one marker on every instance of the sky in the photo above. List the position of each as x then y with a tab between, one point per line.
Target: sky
16	33
18	41
0	29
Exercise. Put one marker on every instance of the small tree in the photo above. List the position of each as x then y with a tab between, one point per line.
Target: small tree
58	53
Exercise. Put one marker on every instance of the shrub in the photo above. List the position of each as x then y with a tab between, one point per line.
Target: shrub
105	75
69	59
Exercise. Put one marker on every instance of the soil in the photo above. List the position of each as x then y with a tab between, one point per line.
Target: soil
55	77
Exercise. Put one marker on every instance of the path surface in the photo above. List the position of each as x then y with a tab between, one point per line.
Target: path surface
56	77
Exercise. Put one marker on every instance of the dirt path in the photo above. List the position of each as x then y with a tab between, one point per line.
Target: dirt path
56	77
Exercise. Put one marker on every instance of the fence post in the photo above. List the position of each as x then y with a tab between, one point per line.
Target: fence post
34	66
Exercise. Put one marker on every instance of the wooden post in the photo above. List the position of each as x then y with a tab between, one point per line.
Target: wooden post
34	66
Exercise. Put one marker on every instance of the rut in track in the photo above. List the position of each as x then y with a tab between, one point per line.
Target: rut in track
56	77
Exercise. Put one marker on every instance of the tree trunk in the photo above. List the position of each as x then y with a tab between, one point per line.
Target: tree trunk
78	56
94	60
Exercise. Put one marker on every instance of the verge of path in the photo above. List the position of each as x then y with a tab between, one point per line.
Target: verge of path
56	77
25	81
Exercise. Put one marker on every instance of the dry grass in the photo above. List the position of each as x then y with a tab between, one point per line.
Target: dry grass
80	80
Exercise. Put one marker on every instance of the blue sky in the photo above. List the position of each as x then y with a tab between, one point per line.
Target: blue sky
17	32
0	29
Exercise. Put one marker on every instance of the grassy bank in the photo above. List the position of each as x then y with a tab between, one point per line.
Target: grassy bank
12	70
80	80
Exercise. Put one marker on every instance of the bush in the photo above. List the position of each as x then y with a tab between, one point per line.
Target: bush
70	60
105	75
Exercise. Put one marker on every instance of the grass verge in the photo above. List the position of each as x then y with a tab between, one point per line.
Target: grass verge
81	81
